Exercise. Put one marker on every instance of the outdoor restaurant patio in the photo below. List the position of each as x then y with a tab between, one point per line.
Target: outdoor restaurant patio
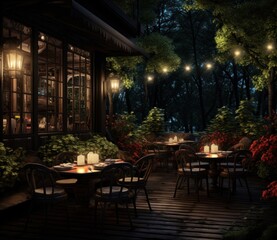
182	217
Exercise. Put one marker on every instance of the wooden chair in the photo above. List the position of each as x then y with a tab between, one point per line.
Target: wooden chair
67	183
163	155
113	188
189	167
190	148
42	186
236	167
143	168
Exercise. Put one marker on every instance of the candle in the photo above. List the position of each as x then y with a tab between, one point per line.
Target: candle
170	140
175	139
206	149
95	158
214	148
80	160
90	158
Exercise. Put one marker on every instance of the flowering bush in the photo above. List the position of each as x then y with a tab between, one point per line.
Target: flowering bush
264	152
222	139
270	191
265	149
131	146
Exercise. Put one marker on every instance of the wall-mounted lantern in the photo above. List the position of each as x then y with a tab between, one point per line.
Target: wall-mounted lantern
13	56
114	84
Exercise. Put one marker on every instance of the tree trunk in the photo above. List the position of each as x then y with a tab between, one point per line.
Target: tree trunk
128	102
271	92
272	98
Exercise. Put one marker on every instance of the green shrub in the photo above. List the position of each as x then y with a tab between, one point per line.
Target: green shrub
100	145
56	145
10	163
154	124
69	143
270	232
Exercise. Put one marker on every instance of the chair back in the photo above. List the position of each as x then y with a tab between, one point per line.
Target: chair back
114	179
151	148
65	157
239	161
144	167
186	159
187	147
41	182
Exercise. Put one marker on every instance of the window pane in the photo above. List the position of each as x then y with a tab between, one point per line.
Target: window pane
50	84
78	90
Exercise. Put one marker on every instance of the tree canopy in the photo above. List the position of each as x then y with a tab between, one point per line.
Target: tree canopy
237	38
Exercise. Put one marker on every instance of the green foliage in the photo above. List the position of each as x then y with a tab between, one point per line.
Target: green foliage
122	125
224	121
270	232
241	234
125	67
100	145
161	52
248	25
249	124
56	145
146	9
10	163
154	123
241	123
69	143
266	171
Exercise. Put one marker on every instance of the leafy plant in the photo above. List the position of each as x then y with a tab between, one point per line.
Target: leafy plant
100	145
250	125
153	124
69	143
10	163
56	145
121	126
242	123
270	232
224	121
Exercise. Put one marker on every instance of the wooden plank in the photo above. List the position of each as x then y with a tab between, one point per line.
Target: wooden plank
182	217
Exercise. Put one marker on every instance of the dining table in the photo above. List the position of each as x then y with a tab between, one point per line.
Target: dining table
87	176
214	160
168	148
173	145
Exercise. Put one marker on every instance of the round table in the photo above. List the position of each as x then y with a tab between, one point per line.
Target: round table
213	159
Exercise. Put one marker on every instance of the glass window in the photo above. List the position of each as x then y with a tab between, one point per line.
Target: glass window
78	90
17	78
50	85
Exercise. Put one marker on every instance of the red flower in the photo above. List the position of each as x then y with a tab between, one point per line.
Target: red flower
222	139
265	149
271	191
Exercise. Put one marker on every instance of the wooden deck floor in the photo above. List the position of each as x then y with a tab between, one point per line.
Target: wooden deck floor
182	217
